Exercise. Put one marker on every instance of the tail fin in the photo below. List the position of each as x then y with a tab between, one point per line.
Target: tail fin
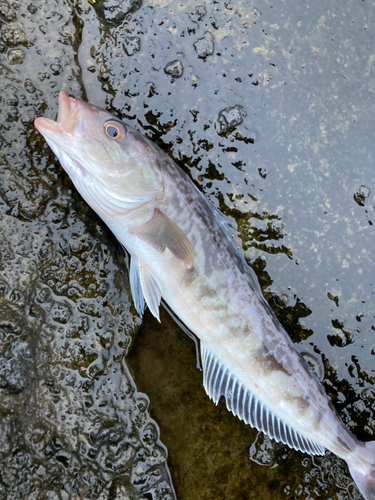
366	482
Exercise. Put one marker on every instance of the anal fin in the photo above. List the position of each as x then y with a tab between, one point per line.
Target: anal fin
218	381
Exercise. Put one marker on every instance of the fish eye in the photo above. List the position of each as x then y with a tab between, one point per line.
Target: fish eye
114	129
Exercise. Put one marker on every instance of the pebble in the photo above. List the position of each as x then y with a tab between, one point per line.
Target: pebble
230	118
16	56
201	11
7	12
115	11
11	38
132	45
204	46
32	8
363	192
174	68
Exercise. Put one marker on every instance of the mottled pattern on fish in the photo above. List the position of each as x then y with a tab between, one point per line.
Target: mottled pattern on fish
245	326
182	251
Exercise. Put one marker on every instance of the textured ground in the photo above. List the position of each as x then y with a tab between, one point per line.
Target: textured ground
269	107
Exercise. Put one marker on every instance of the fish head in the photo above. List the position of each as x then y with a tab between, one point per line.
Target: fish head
113	166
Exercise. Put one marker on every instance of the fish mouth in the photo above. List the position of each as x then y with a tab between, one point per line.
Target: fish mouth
59	134
67	117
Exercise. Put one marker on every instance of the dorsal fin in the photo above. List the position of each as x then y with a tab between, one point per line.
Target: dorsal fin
218	381
232	235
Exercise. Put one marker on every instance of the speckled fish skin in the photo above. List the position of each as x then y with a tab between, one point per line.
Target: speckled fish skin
129	183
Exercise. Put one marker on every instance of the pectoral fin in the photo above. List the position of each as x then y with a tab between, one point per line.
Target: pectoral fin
161	232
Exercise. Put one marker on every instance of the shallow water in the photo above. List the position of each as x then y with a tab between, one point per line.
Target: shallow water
295	173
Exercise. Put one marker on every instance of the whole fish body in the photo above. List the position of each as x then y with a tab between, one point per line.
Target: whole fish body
183	253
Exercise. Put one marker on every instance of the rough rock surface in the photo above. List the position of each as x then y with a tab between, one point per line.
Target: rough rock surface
296	176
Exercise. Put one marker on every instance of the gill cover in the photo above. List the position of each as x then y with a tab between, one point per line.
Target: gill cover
112	165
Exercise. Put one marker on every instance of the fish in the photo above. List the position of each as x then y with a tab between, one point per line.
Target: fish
183	254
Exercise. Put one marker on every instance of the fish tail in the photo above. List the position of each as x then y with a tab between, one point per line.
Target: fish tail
366	482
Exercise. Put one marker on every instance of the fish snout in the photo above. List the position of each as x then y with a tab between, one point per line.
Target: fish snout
67	117
67	107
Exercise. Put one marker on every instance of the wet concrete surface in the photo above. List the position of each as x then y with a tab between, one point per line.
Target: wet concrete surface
269	107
